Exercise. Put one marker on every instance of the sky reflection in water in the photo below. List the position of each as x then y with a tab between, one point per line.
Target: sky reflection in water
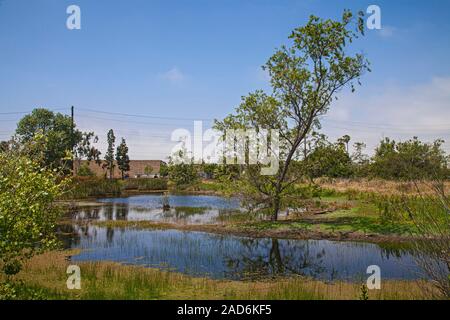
231	257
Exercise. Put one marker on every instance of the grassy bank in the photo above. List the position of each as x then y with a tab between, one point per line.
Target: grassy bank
46	274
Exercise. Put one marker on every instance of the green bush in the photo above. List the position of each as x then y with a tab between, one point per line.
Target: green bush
27	209
145	184
84	187
18	290
329	160
412	159
85	171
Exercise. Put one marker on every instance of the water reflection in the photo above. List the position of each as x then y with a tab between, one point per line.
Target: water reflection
269	257
183	209
231	257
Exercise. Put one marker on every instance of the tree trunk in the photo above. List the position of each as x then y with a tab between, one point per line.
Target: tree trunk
275	208
275	257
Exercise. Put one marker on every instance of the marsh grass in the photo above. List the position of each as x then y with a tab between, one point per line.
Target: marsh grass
106	280
143	184
88	187
378	186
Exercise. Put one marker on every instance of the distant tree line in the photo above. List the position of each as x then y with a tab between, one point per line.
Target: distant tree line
408	160
411	159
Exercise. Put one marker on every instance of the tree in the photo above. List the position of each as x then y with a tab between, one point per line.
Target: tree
61	142
360	160
182	173
163	170
344	140
85	149
209	169
329	160
4	146
358	156
109	156
122	158
305	79
412	159
28	212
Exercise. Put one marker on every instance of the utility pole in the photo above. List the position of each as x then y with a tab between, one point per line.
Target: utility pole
71	115
72	138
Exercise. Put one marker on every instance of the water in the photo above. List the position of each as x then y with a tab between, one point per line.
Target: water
185	209
232	257
220	256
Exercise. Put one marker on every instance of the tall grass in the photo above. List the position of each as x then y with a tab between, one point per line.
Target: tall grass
105	280
85	187
143	184
431	216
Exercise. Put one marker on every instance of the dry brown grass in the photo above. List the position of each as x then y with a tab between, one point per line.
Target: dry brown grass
379	186
107	280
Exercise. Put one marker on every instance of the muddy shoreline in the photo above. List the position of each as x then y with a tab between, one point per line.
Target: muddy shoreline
247	231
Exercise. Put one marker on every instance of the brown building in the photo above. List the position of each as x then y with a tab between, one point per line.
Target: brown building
137	168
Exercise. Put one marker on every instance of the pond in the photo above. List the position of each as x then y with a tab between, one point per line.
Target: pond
185	209
232	257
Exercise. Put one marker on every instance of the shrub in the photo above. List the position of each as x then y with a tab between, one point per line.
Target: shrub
85	171
431	217
146	184
28	212
412	159
84	187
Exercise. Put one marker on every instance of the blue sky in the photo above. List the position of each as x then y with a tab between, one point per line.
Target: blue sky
184	60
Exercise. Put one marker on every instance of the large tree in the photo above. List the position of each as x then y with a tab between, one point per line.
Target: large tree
122	158
305	79
109	156
63	139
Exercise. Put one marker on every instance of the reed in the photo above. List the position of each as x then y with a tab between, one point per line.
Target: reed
107	280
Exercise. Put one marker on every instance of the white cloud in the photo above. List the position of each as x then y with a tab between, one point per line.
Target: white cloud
387	31
174	75
400	112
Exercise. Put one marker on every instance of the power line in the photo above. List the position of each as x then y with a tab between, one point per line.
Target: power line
143	115
389	130
386	125
131	121
29	111
344	125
